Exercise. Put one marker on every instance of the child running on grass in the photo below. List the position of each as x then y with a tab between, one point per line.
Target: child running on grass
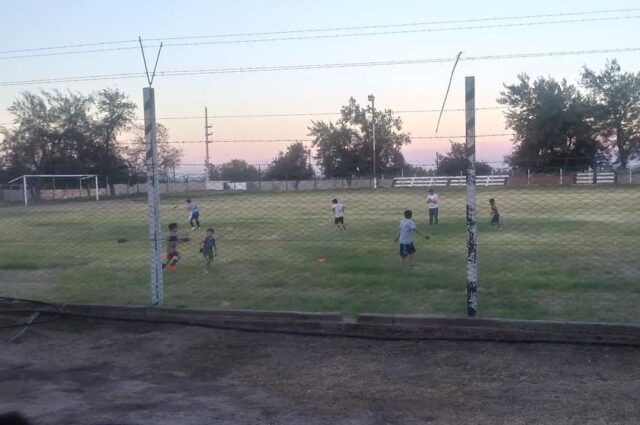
495	215
194	214
172	248
208	249
338	214
405	236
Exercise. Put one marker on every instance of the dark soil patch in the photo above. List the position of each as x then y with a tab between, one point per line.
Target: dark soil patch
88	372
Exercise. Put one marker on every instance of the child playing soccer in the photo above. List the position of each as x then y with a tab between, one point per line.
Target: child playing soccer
194	214
208	249
172	248
495	215
338	214
405	236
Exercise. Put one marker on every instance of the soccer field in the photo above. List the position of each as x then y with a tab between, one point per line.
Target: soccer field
563	253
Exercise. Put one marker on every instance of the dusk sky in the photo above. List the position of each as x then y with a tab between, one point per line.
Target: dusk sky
34	24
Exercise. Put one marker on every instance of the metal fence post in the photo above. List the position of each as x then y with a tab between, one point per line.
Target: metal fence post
472	265
24	191
153	196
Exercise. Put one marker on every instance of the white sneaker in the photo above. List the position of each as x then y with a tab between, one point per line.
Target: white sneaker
206	271
193	229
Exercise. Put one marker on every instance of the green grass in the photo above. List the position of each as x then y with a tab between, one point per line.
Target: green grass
563	253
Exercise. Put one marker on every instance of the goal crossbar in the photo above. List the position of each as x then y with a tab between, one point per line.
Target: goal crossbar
80	177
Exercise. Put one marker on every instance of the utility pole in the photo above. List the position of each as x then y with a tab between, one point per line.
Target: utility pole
153	184
153	194
372	99
470	145
207	127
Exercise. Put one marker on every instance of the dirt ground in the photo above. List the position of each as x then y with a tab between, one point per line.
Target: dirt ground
76	371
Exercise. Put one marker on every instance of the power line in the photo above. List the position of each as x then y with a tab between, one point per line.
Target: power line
305	139
68	46
324	36
304	114
366	27
330	29
395	32
192	72
462	136
307	114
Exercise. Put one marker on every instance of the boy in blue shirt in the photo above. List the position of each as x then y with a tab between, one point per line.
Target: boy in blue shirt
405	237
208	249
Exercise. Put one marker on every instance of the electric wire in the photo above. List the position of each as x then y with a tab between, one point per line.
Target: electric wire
193	72
330	29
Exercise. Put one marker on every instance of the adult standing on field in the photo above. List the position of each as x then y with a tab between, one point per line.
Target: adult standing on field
432	202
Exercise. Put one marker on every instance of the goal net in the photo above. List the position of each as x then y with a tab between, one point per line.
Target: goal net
56	186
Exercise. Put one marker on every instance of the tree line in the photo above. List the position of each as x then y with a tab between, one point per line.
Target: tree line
74	133
561	125
344	150
555	125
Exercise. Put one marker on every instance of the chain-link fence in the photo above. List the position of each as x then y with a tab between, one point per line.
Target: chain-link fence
52	189
557	251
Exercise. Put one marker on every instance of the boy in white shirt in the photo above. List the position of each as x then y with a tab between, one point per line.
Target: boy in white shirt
405	236
432	202
194	215
338	214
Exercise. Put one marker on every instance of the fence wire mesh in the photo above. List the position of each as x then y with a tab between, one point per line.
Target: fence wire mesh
565	251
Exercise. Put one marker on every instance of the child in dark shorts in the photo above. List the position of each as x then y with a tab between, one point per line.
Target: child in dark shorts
495	215
405	237
194	215
208	249
338	214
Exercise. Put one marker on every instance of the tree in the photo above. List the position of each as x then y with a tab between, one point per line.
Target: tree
169	157
337	149
616	98
345	149
114	116
290	165
236	170
65	133
553	124
455	162
410	170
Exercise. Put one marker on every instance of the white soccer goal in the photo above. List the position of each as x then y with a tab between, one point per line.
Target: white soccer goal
80	177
